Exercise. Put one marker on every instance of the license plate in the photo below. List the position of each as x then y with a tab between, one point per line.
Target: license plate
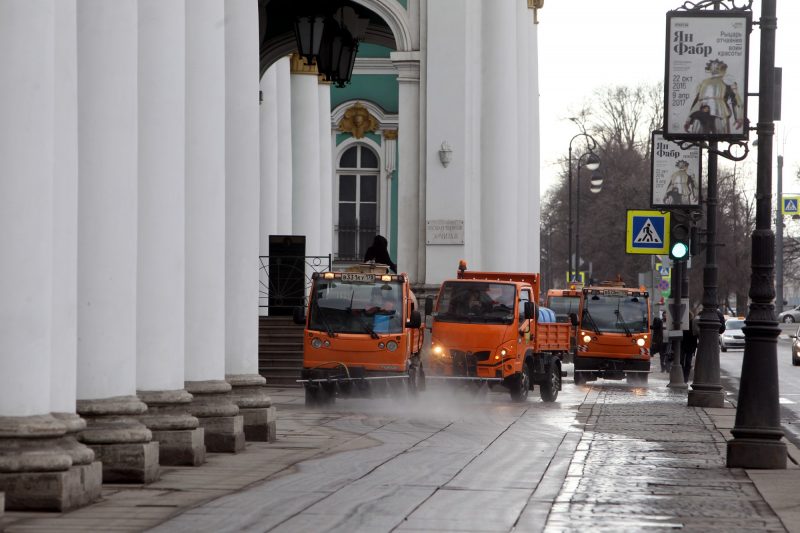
358	277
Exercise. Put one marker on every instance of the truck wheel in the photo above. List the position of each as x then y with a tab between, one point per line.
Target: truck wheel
520	385
552	384
579	377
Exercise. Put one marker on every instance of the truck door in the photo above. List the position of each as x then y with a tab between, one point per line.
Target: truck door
525	325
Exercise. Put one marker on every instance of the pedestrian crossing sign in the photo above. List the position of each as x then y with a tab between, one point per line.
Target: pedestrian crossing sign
790	204
577	277
663	270
647	232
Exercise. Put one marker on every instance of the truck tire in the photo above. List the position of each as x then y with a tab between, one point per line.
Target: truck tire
520	385
549	388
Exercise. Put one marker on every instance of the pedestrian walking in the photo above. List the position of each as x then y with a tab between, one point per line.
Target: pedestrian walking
379	252
657	340
688	347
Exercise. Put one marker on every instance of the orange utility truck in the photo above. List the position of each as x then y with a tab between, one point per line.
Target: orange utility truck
362	331
487	328
613	334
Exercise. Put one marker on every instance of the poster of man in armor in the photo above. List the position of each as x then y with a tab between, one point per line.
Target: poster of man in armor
675	174
706	75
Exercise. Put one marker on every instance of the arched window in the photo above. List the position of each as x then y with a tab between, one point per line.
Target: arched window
357	202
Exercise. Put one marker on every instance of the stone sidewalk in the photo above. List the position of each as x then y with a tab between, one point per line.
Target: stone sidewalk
640	459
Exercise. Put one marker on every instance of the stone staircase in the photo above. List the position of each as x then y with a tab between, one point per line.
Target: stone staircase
280	350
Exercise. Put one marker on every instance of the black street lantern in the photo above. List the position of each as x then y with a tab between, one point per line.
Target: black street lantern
347	59
308	32
330	49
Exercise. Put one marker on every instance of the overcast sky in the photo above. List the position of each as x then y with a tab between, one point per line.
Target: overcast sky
586	44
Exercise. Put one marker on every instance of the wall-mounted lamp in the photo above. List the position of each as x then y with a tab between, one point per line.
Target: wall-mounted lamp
445	154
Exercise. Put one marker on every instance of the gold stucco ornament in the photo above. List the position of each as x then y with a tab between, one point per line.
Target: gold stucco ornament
357	121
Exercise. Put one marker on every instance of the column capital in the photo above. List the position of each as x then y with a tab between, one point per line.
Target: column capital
536	5
407	65
298	65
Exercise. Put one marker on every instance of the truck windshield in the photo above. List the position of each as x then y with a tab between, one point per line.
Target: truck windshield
616	313
562	306
480	302
345	307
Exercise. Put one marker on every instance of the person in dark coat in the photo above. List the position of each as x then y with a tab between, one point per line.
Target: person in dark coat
657	339
688	347
379	252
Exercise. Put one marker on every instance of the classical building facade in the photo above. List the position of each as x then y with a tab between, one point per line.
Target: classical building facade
150	148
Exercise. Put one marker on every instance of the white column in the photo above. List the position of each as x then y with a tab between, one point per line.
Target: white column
325	170
409	246
499	160
523	20
269	158
64	360
305	154
107	118
205	191
284	102
27	98
242	186
534	222
162	184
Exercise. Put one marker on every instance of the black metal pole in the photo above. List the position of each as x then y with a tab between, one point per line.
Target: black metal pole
779	239
706	388
569	209
757	431
578	218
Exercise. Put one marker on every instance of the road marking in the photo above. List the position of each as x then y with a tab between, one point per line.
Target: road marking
784	400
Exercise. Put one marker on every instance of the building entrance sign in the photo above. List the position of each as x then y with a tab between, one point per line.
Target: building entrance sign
444	232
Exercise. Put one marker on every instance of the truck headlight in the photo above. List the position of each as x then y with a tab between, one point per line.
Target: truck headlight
586	339
640	342
316	343
391	346
438	350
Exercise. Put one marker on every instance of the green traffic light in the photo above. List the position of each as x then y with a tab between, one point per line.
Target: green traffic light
679	250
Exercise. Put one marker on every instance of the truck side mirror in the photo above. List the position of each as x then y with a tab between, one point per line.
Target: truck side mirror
428	305
573	319
414	320
530	310
299	315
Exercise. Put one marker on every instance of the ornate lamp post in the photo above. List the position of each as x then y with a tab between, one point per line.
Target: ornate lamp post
593	163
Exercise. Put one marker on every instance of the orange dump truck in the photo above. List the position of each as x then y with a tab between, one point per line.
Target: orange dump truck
487	328
363	331
566	304
613	340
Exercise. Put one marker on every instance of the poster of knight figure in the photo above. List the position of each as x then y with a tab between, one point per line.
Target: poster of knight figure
705	85
675	174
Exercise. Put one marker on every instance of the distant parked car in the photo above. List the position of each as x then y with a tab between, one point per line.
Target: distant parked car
733	336
796	348
792	315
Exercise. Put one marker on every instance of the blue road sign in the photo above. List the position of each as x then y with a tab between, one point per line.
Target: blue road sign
648	232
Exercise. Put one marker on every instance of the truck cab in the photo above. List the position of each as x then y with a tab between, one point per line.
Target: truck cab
362	327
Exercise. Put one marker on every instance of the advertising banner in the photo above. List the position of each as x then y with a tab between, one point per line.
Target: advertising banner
674	174
705	83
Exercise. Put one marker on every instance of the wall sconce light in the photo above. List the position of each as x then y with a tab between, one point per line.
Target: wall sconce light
445	154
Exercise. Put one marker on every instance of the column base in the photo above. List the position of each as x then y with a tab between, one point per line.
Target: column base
180	440
676	377
185	447
224	434
756	453
249	393
128	463
51	491
122	443
706	398
260	424
218	415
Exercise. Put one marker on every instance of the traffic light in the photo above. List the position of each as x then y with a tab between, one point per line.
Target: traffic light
679	241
